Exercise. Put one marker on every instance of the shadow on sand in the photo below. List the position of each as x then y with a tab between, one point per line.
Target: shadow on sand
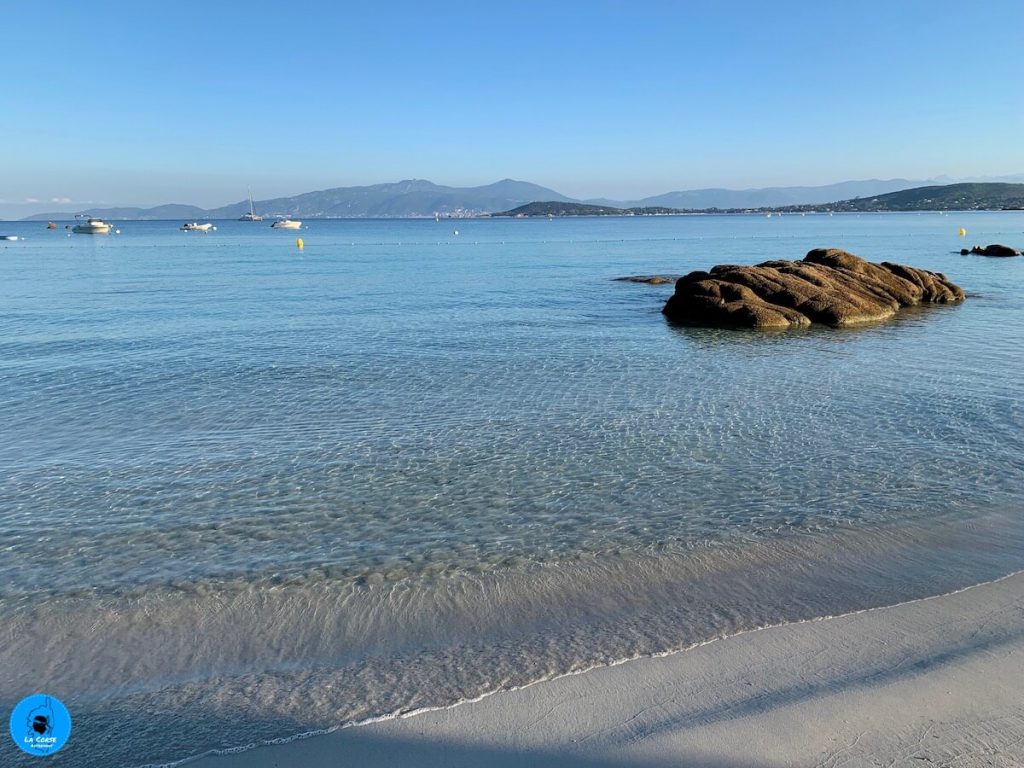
358	747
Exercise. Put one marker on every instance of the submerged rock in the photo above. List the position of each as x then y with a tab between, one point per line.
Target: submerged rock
650	279
830	287
995	249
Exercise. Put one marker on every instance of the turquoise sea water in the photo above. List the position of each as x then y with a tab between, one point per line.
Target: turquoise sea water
261	491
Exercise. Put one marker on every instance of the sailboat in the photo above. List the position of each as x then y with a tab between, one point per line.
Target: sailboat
251	214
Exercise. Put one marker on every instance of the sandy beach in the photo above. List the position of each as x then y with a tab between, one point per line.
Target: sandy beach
931	682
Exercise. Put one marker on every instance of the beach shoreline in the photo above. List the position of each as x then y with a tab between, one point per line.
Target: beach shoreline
930	681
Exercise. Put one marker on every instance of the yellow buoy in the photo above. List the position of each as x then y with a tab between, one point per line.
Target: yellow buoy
299	244
963	232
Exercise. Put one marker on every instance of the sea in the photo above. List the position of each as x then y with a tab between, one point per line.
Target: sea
251	492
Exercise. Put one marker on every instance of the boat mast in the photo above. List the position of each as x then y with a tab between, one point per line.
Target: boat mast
251	212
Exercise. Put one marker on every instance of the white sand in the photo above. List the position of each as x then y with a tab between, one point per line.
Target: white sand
937	682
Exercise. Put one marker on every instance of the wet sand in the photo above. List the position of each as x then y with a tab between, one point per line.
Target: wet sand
938	681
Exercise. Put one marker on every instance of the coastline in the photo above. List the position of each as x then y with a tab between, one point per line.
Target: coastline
930	681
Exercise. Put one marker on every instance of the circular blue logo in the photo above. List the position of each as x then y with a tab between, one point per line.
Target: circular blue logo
40	724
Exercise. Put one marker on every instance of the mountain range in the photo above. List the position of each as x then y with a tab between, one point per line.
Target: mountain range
403	199
418	198
767	196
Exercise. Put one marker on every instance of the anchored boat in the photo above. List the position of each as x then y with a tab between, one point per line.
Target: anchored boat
251	215
91	226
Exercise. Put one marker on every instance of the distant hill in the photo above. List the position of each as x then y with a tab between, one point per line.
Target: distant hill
948	197
769	197
171	211
403	199
556	208
410	198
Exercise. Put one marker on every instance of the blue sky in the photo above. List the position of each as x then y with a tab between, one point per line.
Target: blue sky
144	103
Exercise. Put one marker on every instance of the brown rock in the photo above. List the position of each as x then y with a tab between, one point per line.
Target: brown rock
829	286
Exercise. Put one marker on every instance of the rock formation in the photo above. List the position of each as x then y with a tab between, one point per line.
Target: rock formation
829	286
649	279
995	249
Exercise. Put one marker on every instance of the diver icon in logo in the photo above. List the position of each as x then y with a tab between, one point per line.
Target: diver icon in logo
40	724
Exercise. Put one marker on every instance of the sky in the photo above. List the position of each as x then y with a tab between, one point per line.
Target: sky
119	103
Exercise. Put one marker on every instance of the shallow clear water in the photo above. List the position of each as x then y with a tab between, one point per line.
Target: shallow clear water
402	467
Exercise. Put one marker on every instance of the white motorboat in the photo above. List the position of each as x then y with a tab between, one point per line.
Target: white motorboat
91	226
286	223
9	237
196	227
250	215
